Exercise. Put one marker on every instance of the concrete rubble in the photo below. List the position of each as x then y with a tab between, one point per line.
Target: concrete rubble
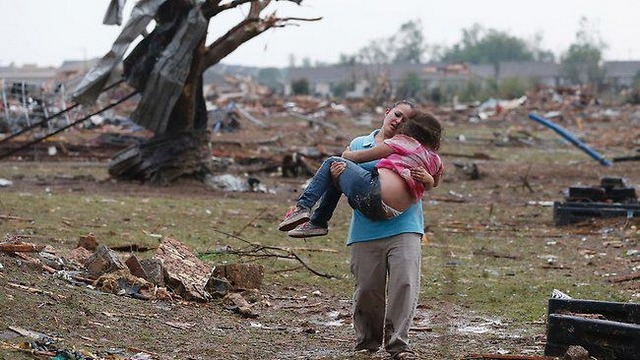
173	271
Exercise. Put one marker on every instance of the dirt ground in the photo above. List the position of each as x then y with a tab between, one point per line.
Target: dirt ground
506	204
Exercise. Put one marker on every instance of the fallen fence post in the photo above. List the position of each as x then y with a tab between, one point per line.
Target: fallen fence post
571	138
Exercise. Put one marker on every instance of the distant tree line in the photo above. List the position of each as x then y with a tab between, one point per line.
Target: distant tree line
581	63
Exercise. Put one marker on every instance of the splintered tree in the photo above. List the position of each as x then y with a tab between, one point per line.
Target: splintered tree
166	68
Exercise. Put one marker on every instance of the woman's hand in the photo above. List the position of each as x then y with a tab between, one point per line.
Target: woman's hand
420	174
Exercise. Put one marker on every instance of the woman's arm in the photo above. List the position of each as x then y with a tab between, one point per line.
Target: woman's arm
375	153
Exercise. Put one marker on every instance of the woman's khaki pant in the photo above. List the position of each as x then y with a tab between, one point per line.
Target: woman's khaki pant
387	272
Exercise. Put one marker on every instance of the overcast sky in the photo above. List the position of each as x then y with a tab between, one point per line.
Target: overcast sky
47	32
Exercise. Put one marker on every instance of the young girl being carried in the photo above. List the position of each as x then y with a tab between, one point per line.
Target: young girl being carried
386	191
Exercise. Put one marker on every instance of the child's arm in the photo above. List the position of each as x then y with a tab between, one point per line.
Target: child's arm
420	174
375	153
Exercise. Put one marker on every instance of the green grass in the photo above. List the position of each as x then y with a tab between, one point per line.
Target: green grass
493	218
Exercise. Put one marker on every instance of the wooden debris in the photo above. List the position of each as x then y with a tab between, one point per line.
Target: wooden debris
477	155
302	306
447	199
243	143
623	278
180	325
37	291
132	248
137	350
18	218
36	262
20	247
251	118
28	333
316	250
492	253
313	121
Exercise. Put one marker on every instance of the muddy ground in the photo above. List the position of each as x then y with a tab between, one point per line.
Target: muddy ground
508	204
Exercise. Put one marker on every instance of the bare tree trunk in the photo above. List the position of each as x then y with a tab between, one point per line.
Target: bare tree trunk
183	148
180	146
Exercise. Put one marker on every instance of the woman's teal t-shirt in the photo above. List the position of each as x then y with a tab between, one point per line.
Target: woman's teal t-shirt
364	229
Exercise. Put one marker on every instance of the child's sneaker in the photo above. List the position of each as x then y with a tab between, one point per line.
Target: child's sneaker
293	218
307	230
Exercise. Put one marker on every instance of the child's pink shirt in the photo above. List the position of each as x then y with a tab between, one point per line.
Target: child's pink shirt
409	153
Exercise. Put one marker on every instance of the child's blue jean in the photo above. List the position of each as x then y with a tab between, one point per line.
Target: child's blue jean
361	187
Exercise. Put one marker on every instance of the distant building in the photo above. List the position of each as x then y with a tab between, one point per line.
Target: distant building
543	73
29	74
368	80
621	73
353	81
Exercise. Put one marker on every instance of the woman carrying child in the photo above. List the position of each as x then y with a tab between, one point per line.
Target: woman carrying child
383	193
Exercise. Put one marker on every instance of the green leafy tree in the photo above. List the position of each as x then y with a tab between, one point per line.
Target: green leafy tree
582	62
410	87
540	54
405	46
271	77
513	87
376	52
349	60
481	46
340	89
300	87
409	43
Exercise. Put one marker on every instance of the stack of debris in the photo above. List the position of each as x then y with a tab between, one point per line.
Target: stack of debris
612	198
174	272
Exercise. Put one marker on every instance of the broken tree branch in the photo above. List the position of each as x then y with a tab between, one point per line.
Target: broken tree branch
37	291
623	278
10	217
238	232
37	262
258	250
241	33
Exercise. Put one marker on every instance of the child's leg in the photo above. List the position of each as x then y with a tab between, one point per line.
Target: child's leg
362	189
327	205
319	185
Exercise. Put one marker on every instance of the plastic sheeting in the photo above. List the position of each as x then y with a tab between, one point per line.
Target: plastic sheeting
169	74
95	80
113	16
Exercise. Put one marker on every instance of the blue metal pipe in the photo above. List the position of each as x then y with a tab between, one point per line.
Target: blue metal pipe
571	138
